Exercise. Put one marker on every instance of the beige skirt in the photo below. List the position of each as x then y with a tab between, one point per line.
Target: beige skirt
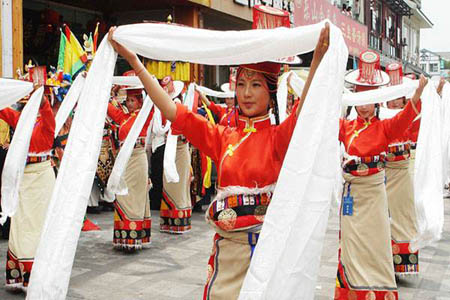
34	197
400	193
228	264
132	220
365	262
175	212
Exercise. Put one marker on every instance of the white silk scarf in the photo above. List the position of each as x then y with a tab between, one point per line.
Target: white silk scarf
17	156
12	90
69	103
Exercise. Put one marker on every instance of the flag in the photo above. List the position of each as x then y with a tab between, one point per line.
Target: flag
91	42
62	49
75	57
94	44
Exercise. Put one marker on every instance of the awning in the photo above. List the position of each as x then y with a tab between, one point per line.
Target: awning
423	19
410	68
400	7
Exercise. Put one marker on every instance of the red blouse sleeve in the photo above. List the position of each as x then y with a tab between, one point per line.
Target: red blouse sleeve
198	131
341	130
10	116
283	134
396	127
116	114
48	118
218	110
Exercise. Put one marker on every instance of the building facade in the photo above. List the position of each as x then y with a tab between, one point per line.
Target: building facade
411	36
431	62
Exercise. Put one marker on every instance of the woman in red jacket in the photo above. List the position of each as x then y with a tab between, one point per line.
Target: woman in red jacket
365	269
248	159
34	196
132	220
400	190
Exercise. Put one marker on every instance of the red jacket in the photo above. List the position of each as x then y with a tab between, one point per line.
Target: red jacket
43	132
126	121
368	139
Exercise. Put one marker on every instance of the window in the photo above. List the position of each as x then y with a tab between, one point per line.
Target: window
434	68
423	67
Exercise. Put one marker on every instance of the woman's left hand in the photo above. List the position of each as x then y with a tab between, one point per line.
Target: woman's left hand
322	44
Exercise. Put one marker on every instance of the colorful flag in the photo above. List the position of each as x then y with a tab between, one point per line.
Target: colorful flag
74	57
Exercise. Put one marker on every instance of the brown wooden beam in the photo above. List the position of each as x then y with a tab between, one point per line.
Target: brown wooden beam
17	27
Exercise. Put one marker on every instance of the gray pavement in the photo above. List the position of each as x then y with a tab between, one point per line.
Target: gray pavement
174	268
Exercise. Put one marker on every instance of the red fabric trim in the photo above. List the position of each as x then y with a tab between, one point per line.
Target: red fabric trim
348	294
211	267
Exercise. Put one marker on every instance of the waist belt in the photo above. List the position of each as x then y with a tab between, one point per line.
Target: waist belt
363	166
413	146
399	152
37	159
239	212
140	142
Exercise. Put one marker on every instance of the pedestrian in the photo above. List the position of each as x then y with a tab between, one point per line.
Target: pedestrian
365	269
248	158
132	219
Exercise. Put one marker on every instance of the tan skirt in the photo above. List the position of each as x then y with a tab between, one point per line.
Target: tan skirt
365	255
175	212
34	197
132	220
400	192
228	264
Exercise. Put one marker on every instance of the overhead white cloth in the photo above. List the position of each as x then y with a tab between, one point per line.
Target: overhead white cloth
126	80
69	103
381	94
116	183
428	172
286	259
210	47
17	156
282	91
12	90
55	254
213	93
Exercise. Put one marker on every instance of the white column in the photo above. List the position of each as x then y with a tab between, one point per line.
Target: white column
7	39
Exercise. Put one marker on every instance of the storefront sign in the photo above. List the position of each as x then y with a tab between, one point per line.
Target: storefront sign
308	12
287	5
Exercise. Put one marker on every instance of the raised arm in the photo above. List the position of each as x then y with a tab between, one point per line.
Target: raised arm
396	127
160	98
10	116
47	117
116	114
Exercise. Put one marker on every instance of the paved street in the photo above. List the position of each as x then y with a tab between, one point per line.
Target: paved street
175	266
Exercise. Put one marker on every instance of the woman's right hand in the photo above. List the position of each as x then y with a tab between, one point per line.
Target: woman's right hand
120	49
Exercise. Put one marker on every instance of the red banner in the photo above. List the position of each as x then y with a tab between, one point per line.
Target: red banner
308	12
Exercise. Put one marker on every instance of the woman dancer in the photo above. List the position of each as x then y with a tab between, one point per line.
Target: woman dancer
248	158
